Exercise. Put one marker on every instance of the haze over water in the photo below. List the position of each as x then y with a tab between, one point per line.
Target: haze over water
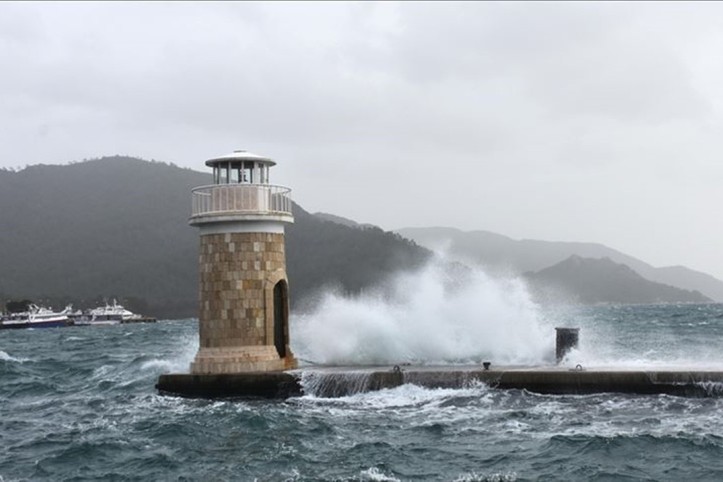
79	403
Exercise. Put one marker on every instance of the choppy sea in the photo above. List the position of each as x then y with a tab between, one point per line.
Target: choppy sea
79	403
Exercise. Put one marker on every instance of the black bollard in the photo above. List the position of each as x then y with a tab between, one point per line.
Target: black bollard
567	339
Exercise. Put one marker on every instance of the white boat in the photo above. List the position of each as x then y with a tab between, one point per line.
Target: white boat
111	315
37	317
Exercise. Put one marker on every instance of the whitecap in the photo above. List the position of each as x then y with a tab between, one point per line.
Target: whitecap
4	356
177	362
401	397
156	364
377	475
475	477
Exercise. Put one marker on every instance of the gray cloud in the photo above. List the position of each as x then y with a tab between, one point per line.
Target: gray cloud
572	121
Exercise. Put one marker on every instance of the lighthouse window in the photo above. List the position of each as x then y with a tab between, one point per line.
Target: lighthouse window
247	172
221	175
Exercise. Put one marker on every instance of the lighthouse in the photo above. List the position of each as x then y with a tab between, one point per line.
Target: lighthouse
243	286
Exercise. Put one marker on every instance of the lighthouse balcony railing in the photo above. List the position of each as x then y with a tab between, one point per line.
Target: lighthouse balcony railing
243	199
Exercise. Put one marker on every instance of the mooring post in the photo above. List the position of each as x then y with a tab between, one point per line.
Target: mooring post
566	340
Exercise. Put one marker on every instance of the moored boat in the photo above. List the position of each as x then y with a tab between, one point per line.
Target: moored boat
114	314
37	317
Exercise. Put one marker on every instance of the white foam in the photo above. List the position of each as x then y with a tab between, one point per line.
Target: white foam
429	316
602	350
376	475
162	365
4	356
475	477
179	362
2	479
403	396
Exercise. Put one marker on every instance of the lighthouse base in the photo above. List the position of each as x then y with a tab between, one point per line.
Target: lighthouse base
252	385
244	359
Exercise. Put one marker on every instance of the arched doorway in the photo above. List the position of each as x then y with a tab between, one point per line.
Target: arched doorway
281	315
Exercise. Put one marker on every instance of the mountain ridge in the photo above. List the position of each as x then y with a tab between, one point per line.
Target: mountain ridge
592	281
502	254
117	227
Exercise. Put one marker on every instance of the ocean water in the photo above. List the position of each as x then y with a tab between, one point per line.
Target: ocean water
79	404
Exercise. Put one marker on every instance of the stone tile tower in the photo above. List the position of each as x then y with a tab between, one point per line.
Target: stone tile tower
244	302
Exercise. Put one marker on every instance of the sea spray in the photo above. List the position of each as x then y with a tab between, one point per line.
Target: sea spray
434	315
330	384
644	336
177	362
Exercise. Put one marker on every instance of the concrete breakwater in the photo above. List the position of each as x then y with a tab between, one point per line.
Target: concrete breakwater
344	381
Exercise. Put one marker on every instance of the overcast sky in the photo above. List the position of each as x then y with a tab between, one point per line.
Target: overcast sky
563	121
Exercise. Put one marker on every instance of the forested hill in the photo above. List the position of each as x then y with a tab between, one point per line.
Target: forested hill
112	227
589	281
118	227
323	253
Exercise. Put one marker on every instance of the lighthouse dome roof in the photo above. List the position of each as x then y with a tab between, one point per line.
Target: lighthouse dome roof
240	155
